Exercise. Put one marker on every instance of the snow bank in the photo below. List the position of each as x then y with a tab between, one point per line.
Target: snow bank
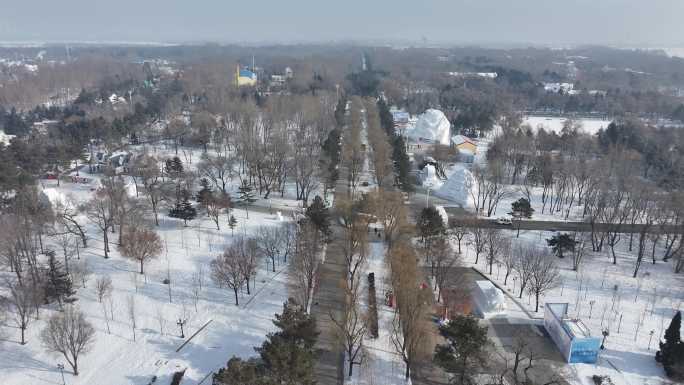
488	299
432	126
457	186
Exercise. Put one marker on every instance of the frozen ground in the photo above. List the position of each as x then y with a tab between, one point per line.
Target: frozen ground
115	357
605	296
589	126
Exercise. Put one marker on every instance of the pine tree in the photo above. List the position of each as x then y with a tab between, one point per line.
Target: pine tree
560	243
521	208
430	223
232	223
288	354
183	210
174	167
671	353
58	284
205	192
318	214
246	195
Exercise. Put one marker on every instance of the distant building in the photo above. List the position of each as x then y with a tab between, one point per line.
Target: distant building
486	75
466	146
245	77
559	87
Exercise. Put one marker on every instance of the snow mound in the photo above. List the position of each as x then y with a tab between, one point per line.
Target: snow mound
489	300
457	186
432	126
442	213
429	178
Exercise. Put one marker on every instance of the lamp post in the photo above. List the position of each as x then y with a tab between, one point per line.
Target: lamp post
591	307
180	323
650	337
605	333
61	370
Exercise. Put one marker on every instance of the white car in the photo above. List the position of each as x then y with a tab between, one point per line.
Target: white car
504	221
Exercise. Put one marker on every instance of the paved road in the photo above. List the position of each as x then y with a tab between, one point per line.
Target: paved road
457	213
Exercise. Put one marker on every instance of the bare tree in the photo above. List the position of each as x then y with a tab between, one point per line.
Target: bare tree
579	250
218	169
525	265
132	314
103	287
226	271
70	334
271	240
305	261
443	261
496	244
66	214
408	323
141	245
100	212
249	255
21	300
355	247
351	329
217	204
81	271
543	277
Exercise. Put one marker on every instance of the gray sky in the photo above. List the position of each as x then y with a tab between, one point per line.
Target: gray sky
554	22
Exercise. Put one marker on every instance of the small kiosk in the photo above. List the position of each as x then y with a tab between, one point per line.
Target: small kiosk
571	336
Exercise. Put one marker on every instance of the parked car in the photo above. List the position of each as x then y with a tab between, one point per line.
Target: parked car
504	221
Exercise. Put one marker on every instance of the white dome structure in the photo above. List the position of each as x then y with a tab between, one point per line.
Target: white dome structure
432	127
458	186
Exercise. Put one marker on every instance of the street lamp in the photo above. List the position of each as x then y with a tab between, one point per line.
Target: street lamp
605	333
61	370
650	338
180	323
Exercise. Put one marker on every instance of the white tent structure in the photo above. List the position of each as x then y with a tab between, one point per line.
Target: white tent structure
431	127
489	300
458	186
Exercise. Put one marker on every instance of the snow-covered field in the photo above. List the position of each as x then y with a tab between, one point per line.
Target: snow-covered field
605	296
589	126
115	358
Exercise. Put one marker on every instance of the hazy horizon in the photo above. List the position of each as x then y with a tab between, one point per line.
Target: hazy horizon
627	23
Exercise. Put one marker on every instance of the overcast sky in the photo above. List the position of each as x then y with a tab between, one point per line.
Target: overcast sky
549	22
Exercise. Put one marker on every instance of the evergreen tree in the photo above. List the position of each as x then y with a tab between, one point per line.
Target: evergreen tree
521	208
246	195
58	284
183	210
174	167
286	357
671	353
319	216
288	354
430	223
232	223
466	346
560	243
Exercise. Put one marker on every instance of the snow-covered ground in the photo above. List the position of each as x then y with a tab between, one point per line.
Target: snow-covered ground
115	358
555	124
605	296
381	362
